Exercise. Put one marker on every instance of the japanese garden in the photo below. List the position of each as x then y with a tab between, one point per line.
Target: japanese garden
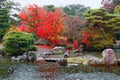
49	42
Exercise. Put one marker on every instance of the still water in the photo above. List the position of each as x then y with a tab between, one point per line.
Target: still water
52	71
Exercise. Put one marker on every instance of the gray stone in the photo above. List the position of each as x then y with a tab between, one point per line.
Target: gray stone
31	56
15	59
23	58
74	51
58	50
66	54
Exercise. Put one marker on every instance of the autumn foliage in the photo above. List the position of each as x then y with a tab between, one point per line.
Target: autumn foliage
86	35
75	44
109	5
47	25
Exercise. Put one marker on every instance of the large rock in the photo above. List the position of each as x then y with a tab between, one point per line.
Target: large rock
108	56
23	58
58	50
15	59
27	56
31	56
66	54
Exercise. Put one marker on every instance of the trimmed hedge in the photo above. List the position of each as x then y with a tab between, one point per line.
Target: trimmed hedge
16	43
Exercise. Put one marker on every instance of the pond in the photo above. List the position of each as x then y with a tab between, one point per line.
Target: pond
52	71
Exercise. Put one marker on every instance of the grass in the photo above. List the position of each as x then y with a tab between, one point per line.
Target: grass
4	65
96	54
73	59
99	54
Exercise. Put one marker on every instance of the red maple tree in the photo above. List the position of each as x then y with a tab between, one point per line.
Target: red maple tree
47	25
75	44
85	37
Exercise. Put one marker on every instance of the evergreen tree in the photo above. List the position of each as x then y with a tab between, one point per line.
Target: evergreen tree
101	25
75	10
4	22
12	7
50	7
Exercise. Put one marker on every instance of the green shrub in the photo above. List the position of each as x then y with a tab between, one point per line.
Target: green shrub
4	22
100	42
16	43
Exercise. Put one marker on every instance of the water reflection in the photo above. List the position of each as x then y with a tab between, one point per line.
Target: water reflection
53	71
49	70
23	72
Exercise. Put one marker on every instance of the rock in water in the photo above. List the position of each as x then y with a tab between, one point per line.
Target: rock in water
10	70
31	56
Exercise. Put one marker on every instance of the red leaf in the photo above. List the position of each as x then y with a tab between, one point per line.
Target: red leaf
47	25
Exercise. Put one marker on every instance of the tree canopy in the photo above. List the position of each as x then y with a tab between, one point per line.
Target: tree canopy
73	25
109	5
4	22
101	25
75	10
47	25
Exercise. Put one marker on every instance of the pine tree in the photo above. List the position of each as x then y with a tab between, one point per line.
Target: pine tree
101	25
4	22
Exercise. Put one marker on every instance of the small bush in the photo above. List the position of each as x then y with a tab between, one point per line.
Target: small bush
16	43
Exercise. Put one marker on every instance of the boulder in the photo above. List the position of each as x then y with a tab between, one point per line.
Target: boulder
74	51
10	70
23	58
108	56
20	58
66	54
15	59
31	56
58	50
